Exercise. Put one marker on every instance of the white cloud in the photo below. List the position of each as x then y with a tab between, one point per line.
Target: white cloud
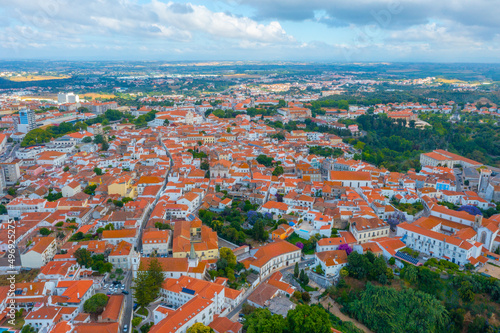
124	18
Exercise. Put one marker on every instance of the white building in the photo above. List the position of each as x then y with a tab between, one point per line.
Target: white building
331	261
155	241
63	98
43	251
439	245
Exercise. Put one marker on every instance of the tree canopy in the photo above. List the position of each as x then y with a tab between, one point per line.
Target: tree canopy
95	304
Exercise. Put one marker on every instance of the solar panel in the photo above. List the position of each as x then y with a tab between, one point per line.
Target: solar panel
188	291
406	257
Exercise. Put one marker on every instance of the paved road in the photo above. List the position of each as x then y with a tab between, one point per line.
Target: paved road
458	179
9	153
129	307
237	309
127	315
146	218
127	281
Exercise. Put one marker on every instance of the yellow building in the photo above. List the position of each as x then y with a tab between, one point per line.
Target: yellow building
123	187
204	239
208	139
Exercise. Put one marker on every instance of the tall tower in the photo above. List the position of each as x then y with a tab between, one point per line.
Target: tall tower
484	181
193	258
26	121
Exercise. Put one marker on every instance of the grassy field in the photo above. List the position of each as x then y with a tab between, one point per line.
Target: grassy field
97	95
28	78
449	81
294	238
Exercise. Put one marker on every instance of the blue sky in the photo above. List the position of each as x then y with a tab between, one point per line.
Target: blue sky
294	30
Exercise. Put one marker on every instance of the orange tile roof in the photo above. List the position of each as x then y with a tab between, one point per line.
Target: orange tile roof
122	233
42	244
174	321
350	175
112	310
332	258
272	250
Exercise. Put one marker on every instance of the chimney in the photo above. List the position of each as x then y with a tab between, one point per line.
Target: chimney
78	295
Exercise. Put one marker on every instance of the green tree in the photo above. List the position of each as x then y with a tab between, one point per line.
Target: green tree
358	265
264	160
28	329
83	257
90	189
262	321
465	291
155	273
66	169
308	319
306	297
95	304
200	328
136	321
118	203
45	231
258	232
205	165
3	210
228	255
296	270
278	171
143	285
411	273
387	310
98	171
478	325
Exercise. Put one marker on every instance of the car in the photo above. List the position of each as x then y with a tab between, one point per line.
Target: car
125	292
241	315
125	328
123	287
105	286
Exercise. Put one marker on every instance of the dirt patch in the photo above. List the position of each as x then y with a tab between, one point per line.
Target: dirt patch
334	308
29	78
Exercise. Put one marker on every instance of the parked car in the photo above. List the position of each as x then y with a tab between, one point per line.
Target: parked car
124	292
125	328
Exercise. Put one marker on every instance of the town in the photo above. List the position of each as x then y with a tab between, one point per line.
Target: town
264	206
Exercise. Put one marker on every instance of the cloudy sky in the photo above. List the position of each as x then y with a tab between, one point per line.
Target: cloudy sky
298	30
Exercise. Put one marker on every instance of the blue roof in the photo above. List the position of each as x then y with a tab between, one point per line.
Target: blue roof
291	224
